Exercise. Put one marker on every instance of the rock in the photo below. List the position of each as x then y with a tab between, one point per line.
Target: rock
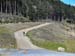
61	49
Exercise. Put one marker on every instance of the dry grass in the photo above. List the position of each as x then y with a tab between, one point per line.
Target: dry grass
57	36
7	39
18	26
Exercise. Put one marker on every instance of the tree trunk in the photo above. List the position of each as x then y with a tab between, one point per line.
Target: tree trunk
27	9
15	8
10	10
1	6
6	6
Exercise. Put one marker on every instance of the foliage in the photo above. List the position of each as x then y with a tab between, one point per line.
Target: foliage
35	10
48	9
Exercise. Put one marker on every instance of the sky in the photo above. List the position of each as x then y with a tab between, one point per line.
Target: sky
71	2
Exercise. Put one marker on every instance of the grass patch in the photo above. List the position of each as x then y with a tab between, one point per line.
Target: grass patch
51	37
70	44
45	43
7	39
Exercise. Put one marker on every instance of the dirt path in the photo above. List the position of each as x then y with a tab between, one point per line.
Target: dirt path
23	42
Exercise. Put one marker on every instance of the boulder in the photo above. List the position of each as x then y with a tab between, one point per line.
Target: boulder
61	49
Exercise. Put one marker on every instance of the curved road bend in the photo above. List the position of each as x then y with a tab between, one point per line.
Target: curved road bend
23	42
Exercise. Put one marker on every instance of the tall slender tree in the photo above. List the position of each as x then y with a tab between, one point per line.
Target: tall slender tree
27	8
6	6
10	10
15	7
1	6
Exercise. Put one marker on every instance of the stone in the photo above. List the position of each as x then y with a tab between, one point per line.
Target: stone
61	49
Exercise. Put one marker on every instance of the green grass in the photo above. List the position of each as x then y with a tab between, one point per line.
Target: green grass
62	40
68	44
7	39
3	30
45	43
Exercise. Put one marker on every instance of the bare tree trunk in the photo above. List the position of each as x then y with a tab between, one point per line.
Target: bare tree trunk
1	6
40	3
10	10
18	10
27	10
15	8
6	6
47	10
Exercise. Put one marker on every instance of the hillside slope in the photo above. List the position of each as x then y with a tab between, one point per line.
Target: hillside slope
53	36
43	9
40	9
